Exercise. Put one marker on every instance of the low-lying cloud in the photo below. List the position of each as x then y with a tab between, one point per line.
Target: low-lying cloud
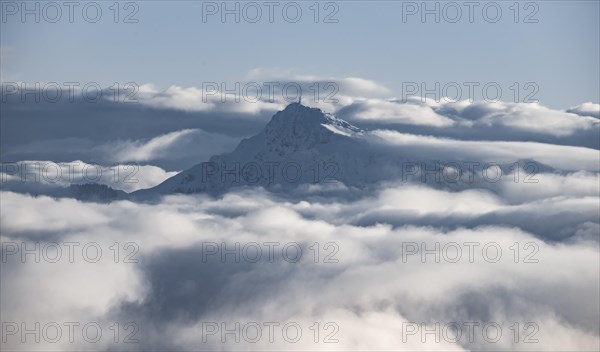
372	279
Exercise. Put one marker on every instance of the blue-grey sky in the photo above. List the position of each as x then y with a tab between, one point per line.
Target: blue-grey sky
172	45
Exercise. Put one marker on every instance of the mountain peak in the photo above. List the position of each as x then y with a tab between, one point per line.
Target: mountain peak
299	127
298	116
298	134
295	110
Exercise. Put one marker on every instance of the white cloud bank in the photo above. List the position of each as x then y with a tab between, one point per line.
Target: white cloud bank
39	175
361	101
376	287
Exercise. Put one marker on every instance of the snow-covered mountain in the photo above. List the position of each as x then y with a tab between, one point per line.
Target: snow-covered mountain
299	146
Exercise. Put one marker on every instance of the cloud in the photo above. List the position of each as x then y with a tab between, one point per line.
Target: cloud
421	200
586	109
47	177
391	112
548	185
175	150
530	117
80	130
435	148
263	90
153	148
200	100
85	131
507	120
350	86
371	292
361	100
191	144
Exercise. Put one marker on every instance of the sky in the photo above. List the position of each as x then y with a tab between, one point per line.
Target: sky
181	43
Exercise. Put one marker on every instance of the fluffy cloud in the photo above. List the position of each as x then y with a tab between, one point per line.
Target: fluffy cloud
347	86
507	119
191	145
173	150
430	147
199	99
369	280
157	146
263	90
391	112
586	109
530	117
363	101
34	176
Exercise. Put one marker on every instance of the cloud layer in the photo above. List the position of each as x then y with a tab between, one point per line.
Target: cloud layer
369	278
